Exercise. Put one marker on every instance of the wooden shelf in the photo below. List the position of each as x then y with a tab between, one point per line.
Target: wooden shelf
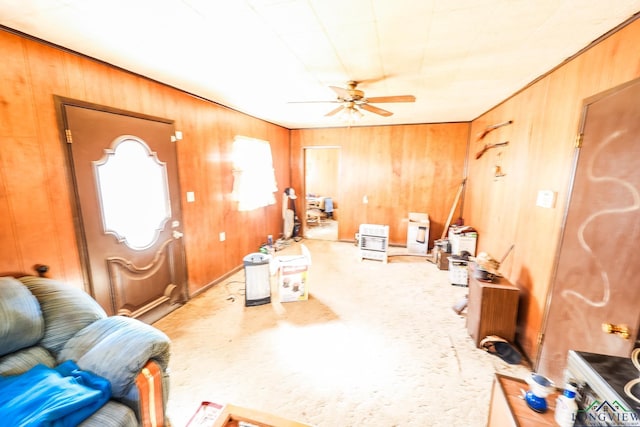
509	409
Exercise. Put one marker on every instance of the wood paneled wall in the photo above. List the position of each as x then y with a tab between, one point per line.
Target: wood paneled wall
322	166
539	156
36	223
401	169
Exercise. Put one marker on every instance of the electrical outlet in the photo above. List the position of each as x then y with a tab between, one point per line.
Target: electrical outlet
365	199
223	236
191	196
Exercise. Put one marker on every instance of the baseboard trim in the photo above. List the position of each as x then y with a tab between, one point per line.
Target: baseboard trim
216	281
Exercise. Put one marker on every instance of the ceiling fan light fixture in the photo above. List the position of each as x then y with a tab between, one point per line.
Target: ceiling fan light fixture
350	114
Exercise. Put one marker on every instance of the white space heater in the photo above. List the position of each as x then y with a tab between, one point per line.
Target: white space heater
374	239
257	279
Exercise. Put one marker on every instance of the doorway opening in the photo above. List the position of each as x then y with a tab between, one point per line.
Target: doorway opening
322	193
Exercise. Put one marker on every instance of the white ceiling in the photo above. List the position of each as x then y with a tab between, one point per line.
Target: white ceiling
458	57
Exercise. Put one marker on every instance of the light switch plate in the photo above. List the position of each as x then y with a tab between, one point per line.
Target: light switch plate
546	199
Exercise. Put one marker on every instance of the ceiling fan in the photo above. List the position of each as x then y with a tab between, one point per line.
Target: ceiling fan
351	100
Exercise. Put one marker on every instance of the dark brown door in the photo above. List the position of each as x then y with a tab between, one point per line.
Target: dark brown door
596	280
129	218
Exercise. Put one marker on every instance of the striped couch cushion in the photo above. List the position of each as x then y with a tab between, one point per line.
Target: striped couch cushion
66	310
21	322
112	414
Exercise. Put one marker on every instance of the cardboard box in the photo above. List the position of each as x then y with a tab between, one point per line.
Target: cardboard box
206	415
293	276
418	233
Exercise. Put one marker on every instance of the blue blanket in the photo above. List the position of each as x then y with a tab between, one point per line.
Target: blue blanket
60	397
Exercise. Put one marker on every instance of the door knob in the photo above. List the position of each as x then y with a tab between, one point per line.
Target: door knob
621	330
177	234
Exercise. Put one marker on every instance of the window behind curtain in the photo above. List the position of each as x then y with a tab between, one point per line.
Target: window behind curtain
254	180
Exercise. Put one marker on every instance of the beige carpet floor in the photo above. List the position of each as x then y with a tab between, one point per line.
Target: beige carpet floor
375	345
327	230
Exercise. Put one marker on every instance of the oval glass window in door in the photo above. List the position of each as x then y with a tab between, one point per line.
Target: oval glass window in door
133	192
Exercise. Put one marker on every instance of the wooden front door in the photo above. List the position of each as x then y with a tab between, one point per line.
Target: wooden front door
128	202
596	280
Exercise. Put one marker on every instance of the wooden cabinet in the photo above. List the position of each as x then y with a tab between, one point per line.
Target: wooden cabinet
492	308
508	408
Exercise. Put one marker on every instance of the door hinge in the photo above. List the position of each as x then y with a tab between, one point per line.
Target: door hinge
177	136
67	133
579	139
539	340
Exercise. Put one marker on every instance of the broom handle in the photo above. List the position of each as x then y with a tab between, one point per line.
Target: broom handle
507	253
453	208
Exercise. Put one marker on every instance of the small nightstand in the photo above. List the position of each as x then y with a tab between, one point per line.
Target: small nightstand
492	308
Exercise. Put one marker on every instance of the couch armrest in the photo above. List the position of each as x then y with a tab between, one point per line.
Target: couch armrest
117	348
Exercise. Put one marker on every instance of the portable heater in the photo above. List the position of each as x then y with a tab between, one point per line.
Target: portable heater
257	279
374	239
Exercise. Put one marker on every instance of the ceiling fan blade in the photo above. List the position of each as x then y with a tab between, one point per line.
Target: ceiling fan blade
313	102
398	98
376	110
341	92
334	112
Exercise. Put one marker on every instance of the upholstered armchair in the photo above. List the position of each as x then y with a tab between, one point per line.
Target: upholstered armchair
46	322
